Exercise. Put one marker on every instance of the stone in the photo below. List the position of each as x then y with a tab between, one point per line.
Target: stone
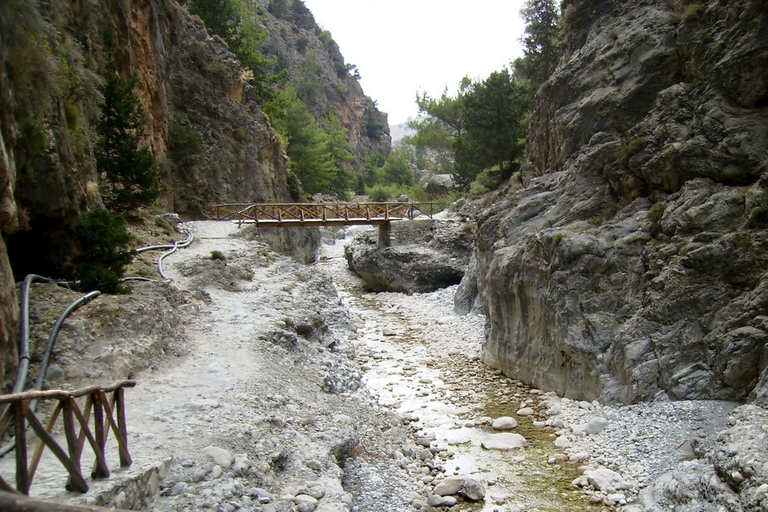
619	184
221	456
305	503
504	423
439	185
426	255
54	373
464	486
604	479
526	411
562	442
503	441
596	425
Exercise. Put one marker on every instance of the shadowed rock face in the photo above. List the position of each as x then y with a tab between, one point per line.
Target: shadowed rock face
424	256
633	265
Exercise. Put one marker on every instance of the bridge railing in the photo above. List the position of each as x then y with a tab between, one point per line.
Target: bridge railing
275	214
108	414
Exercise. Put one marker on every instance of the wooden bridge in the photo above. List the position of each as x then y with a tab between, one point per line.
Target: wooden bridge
321	214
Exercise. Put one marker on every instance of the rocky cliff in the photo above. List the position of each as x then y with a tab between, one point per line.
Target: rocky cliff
632	266
204	125
324	81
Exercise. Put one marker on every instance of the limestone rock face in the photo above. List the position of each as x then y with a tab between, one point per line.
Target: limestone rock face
425	255
632	266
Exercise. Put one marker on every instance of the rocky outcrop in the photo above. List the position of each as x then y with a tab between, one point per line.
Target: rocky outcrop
324	81
424	256
632	266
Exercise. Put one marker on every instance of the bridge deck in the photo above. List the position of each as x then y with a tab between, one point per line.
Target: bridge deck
321	214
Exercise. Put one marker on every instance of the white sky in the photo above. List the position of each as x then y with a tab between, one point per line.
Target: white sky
404	46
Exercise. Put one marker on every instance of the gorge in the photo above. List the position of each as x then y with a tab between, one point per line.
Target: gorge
625	265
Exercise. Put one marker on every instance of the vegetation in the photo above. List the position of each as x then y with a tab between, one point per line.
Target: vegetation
103	242
483	126
540	43
655	214
129	167
236	22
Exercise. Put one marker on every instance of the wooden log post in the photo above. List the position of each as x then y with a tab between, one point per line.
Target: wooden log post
17	502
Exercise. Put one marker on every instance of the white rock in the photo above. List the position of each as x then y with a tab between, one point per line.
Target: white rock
579	457
526	411
503	441
596	425
305	503
504	423
562	442
604	479
221	456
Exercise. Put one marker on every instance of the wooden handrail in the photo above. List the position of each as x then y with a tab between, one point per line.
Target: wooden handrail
108	415
20	503
307	214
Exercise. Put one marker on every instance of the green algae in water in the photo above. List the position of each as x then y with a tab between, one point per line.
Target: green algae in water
549	485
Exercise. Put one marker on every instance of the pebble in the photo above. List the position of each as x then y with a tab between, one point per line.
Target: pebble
504	423
526	411
503	441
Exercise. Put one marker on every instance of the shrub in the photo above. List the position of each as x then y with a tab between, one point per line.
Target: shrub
655	214
103	242
218	256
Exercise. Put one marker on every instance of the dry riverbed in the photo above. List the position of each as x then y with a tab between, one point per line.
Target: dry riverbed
269	388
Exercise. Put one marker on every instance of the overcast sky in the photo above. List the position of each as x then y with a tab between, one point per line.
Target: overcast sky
404	46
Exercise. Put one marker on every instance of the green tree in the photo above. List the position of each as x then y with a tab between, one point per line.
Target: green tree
493	113
307	147
129	168
540	43
338	151
308	86
237	23
439	124
396	169
103	242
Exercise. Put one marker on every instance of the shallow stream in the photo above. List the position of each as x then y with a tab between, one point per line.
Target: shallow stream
449	396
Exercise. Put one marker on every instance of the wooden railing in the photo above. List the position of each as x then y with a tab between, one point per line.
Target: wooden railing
108	414
21	503
320	214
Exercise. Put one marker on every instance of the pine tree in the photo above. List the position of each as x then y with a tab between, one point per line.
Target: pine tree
540	45
103	242
129	167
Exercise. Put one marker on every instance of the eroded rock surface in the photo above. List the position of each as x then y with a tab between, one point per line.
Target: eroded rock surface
632	266
424	255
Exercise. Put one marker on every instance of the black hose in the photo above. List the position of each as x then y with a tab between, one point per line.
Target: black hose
21	376
52	340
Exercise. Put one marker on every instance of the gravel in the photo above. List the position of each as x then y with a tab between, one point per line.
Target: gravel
263	396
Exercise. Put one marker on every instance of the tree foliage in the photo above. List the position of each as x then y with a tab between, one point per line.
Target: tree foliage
396	169
103	242
129	167
540	43
236	22
493	113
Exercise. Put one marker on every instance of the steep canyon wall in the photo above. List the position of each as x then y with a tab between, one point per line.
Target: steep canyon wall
633	265
204	124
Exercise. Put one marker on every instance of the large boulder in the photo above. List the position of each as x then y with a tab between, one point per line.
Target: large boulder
632	266
423	256
439	185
